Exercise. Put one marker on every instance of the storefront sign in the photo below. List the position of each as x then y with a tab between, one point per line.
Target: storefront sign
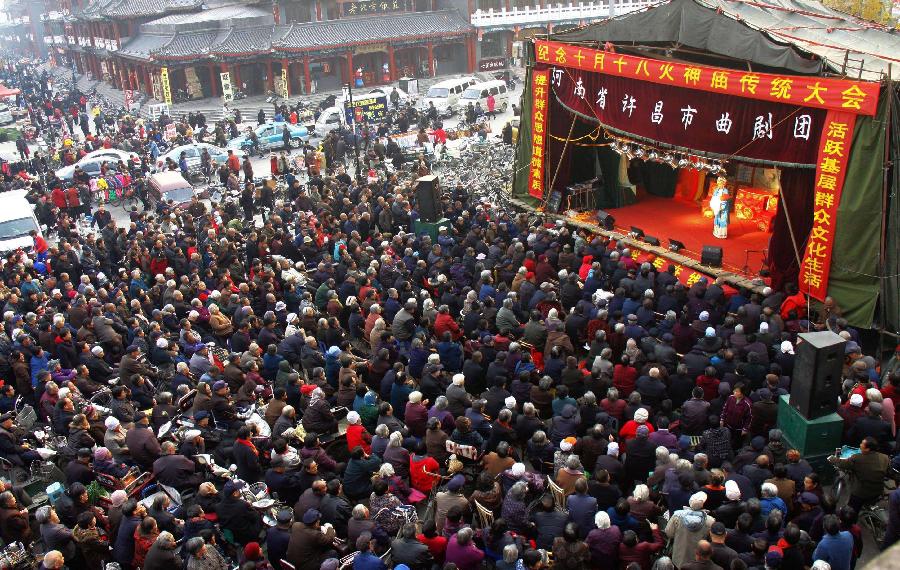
372	7
285	85
857	97
166	88
227	90
540	86
155	86
365	110
831	169
492	64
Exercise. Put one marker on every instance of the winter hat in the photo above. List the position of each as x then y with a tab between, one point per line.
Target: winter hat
732	491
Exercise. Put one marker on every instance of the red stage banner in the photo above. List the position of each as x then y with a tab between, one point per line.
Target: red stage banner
540	85
831	169
723	124
857	97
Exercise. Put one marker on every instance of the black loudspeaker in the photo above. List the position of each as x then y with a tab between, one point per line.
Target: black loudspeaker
816	384
711	256
428	196
651	240
605	219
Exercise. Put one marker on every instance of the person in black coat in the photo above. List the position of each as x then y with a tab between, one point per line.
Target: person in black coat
246	456
80	469
161	555
238	516
287	485
871	425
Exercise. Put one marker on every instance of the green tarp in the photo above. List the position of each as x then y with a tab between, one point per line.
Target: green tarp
853	281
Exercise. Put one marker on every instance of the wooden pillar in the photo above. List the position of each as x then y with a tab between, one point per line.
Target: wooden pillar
307	80
270	78
213	81
350	76
236	77
392	62
119	37
318	11
148	80
431	69
509	43
470	48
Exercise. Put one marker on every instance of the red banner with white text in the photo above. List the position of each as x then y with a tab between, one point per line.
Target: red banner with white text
540	86
857	97
831	169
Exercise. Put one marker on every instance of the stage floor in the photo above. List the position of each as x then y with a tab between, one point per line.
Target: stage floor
666	218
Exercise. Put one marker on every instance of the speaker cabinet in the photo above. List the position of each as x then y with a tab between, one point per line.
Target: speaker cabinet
816	384
711	256
605	220
428	196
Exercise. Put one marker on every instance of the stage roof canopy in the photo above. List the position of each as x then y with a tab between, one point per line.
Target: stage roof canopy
803	37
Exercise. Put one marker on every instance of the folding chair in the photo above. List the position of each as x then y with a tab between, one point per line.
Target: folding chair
485	516
559	495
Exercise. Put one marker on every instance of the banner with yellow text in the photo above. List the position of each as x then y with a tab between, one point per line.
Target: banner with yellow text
540	85
831	169
164	83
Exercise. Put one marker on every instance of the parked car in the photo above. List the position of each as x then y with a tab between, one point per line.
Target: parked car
16	221
385	91
169	187
192	154
92	161
270	136
6	115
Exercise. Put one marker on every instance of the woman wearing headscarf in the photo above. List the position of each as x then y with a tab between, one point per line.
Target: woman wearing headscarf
603	541
105	464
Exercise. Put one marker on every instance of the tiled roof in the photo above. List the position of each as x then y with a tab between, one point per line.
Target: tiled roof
99	9
371	30
187	45
252	40
143	46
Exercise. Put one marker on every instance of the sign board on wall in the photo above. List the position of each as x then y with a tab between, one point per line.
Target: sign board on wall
227	89
166	88
492	64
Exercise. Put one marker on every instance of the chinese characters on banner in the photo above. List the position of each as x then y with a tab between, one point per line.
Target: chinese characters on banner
227	90
834	151
372	7
166	88
857	97
540	84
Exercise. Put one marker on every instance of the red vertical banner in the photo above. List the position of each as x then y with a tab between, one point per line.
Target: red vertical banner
540	83
831	170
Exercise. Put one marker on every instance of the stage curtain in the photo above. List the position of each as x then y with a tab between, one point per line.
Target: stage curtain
890	304
609	195
522	172
797	189
659	179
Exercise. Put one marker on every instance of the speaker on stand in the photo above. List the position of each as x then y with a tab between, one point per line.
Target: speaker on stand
428	198
817	379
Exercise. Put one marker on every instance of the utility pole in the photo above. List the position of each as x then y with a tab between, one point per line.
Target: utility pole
353	125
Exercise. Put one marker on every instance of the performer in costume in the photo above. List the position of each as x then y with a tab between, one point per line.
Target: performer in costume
720	204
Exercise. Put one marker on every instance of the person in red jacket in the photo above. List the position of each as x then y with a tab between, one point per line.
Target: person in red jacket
444	322
73	202
40	245
357	434
59	198
709	383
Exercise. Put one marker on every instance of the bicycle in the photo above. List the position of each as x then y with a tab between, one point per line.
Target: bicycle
873	515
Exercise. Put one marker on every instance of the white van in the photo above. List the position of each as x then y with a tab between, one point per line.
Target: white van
329	120
16	221
445	94
479	93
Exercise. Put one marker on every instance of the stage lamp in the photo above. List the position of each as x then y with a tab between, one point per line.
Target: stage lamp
636	233
669	159
675	246
639	152
629	152
684	163
653	156
651	240
614	146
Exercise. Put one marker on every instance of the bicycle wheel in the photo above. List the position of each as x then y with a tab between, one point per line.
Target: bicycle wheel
875	521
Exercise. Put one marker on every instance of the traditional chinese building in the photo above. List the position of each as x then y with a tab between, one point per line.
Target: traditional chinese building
791	103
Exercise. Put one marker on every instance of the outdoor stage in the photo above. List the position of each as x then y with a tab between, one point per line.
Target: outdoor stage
684	221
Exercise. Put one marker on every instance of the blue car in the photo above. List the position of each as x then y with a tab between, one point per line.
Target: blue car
270	136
